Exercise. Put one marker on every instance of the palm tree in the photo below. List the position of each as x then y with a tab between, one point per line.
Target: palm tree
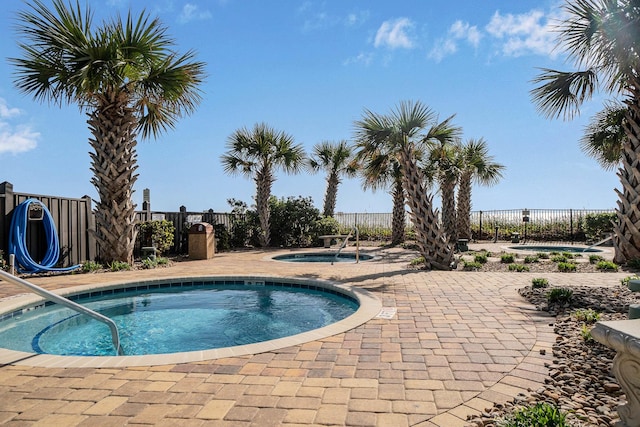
604	136
258	153
477	165
603	38
401	132
444	164
127	79
380	169
335	159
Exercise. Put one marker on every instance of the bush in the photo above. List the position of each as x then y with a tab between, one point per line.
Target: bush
530	259
559	258
156	233
542	255
518	267
539	282
294	221
417	261
559	295
567	267
223	237
507	258
593	259
119	266
481	258
596	225
585	333
91	266
542	414
587	315
472	266
607	266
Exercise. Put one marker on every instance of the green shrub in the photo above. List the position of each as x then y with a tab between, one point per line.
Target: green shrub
585	333
91	266
223	237
542	414
156	233
593	259
149	263
597	224
417	261
587	315
530	259
162	260
481	258
567	267
568	255
245	225
559	258
507	258
542	255
607	266
518	267
472	265
559	295
294	221
119	266
539	282
625	281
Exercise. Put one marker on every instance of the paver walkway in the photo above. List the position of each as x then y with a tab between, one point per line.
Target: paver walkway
460	342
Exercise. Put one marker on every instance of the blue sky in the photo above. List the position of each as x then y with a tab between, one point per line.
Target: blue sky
310	68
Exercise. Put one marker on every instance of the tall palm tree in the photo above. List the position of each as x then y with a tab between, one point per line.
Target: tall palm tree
335	159
402	132
444	163
476	165
380	168
128	80
603	38
257	153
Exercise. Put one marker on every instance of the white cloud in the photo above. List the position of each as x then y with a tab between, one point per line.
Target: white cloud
362	58
15	139
190	12
522	34
457	32
394	34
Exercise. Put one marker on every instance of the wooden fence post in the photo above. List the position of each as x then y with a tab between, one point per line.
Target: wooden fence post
6	208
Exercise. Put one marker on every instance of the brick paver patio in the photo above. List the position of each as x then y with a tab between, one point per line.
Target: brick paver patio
459	342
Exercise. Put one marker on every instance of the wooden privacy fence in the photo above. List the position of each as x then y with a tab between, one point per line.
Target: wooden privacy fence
73	218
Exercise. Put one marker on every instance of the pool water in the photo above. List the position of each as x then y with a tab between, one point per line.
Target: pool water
322	257
177	320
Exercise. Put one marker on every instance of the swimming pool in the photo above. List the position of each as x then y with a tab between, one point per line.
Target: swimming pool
319	309
555	248
322	257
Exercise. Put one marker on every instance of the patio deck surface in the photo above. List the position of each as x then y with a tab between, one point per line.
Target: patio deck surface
459	342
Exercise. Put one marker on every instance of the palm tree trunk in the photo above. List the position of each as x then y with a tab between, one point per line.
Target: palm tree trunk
431	239
398	217
447	187
113	163
264	180
331	195
463	215
627	228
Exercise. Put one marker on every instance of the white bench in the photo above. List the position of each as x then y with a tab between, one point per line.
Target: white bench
327	238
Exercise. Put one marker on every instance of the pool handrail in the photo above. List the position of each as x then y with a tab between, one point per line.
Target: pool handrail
344	243
115	337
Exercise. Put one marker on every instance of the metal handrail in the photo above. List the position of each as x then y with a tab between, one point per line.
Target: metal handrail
345	244
115	337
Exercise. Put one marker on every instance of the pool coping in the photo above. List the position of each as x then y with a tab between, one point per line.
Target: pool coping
370	306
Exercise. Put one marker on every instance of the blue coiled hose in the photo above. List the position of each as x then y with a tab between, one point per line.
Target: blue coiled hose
18	241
